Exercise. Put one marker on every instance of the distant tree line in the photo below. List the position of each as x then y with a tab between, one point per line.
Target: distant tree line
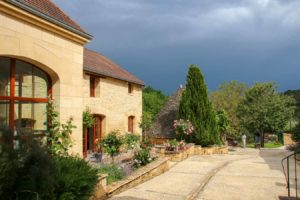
153	101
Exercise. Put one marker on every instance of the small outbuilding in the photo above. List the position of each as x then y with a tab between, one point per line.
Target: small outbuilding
162	127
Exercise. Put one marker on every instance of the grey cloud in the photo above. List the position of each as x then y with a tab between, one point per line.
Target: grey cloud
247	40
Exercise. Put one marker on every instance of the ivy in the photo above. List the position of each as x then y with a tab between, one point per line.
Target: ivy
87	119
58	135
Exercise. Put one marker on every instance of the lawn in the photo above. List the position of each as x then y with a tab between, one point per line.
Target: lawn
267	145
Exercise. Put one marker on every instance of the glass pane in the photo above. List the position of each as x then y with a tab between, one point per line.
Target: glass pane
30	117
4	115
24	81
4	76
40	80
30	81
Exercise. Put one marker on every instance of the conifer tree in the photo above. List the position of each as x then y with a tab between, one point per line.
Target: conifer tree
196	107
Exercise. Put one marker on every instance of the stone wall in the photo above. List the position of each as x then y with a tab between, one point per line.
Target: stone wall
49	50
191	150
113	101
287	139
102	191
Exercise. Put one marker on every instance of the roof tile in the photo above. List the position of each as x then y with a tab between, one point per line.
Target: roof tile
48	8
95	62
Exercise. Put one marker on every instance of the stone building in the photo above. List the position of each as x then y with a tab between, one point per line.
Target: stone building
42	54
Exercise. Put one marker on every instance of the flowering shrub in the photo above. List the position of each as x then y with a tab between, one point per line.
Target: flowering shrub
112	143
143	157
183	127
181	145
131	140
145	144
172	145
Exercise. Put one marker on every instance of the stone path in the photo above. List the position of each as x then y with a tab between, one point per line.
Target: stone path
243	174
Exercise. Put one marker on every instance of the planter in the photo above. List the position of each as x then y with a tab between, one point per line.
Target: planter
139	176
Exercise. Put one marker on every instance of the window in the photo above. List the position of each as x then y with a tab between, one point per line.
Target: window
24	91
130	88
130	124
92	86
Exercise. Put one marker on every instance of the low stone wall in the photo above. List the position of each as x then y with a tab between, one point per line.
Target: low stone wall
139	176
100	189
180	155
212	150
103	191
191	150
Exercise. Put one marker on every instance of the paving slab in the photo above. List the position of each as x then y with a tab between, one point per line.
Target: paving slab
242	174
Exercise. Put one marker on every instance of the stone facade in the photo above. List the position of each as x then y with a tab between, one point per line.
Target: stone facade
59	52
60	57
113	101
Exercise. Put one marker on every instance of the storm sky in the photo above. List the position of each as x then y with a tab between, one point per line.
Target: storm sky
156	40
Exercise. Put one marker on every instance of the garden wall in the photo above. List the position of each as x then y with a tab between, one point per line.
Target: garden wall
139	176
191	150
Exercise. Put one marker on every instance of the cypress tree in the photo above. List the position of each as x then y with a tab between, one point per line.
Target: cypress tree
196	107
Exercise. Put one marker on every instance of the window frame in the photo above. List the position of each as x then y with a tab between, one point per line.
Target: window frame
92	86
130	88
12	98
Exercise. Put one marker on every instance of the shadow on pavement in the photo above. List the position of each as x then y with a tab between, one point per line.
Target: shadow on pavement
126	198
287	198
273	158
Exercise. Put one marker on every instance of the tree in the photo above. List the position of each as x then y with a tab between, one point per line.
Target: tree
263	109
196	107
296	95
223	123
153	100
227	98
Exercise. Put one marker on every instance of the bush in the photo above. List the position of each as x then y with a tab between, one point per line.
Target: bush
26	172
143	157
75	179
131	140
114	172
112	143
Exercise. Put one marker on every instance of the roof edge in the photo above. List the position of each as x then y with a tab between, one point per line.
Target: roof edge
115	77
50	19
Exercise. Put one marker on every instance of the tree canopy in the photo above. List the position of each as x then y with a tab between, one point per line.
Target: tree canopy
296	95
196	107
263	109
227	98
153	100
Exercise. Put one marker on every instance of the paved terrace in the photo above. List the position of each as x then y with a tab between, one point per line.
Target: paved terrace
243	174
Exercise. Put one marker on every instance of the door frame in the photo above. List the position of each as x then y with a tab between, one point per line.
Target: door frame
98	133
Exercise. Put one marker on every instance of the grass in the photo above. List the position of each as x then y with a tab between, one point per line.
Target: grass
267	145
114	172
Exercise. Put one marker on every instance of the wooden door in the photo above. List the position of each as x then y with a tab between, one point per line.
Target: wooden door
98	131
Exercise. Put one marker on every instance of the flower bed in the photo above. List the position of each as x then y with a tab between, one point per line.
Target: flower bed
102	191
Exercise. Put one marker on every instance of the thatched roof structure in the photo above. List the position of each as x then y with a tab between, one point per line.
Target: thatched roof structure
162	126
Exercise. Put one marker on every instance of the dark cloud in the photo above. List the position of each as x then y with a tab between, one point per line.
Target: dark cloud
245	40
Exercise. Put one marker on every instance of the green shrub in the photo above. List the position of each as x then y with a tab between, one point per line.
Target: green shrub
143	157
131	140
26	171
113	171
112	143
75	179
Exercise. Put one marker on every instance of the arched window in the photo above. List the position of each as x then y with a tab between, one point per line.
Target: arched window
24	91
